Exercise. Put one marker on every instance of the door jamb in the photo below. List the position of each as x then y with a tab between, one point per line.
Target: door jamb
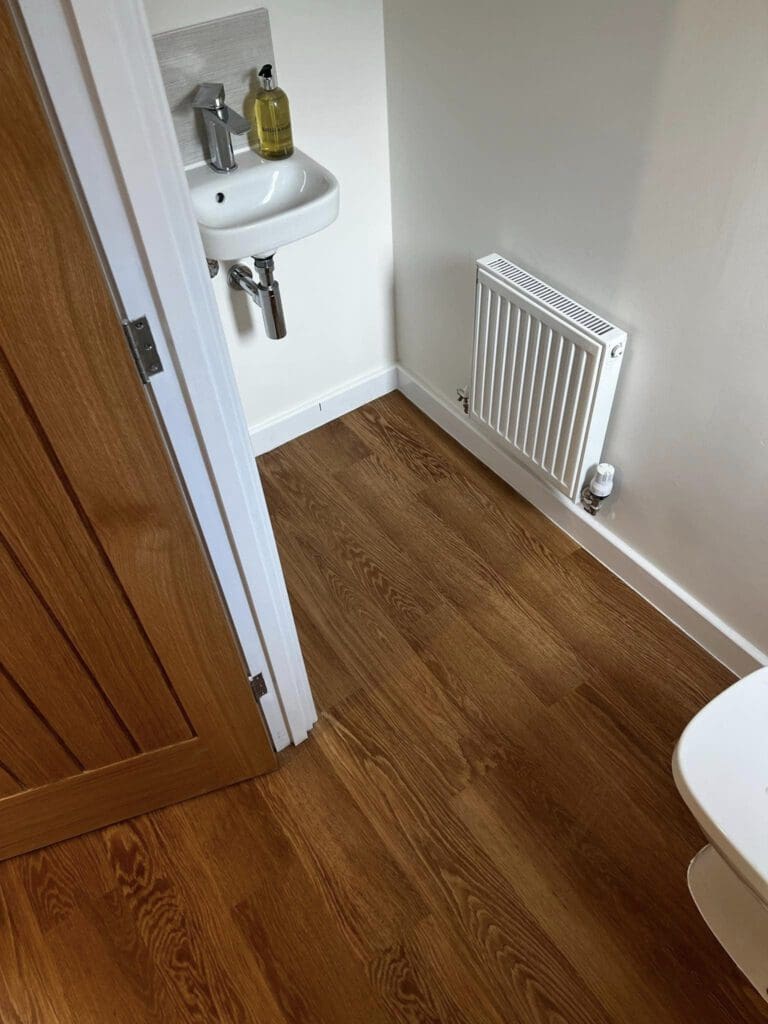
97	61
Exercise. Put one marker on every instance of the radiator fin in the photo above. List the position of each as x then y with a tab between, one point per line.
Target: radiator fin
542	386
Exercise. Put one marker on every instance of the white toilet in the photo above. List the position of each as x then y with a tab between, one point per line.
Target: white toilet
721	769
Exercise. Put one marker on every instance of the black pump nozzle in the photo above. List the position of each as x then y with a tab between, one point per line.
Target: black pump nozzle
267	77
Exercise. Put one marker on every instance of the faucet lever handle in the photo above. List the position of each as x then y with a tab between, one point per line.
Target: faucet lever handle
209	96
236	123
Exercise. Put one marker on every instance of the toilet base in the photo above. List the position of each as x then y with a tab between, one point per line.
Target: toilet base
738	919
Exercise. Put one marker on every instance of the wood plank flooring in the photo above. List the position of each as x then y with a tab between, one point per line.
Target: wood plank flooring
482	829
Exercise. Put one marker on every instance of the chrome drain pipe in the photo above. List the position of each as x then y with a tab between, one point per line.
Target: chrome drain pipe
265	292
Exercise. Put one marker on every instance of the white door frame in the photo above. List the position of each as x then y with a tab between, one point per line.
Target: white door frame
97	61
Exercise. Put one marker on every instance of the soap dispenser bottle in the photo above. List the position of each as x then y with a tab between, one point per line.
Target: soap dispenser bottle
272	118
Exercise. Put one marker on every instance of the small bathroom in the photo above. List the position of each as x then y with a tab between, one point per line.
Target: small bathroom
383	633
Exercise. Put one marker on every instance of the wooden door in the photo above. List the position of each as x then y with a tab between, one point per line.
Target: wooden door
121	684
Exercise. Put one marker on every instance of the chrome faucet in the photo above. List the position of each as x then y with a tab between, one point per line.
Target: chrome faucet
221	123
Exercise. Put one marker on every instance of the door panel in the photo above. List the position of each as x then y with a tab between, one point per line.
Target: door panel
87	722
121	684
32	751
8	784
55	547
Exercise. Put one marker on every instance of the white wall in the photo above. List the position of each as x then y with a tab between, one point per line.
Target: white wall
337	285
619	150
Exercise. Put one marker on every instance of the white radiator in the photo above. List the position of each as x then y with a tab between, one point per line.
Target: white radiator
544	373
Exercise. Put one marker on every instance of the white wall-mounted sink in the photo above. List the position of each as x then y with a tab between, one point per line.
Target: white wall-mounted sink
262	204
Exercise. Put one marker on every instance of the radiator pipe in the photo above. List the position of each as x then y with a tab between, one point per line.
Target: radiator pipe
265	292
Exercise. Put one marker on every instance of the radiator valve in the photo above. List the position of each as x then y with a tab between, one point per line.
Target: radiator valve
598	488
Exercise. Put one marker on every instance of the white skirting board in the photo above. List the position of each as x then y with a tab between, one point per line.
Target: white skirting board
690	615
273	433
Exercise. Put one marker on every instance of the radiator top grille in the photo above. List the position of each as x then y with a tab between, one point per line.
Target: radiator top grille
550	296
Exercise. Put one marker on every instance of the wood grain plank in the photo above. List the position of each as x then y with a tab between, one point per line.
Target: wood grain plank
283	917
366	556
647	644
331	449
9	783
447	848
58	881
513	516
575	592
239	988
517	630
52	543
190	984
533	980
646	680
130	926
330	677
30	992
77	804
104	974
630	987
384	426
417	974
424	453
31	750
444	972
376	654
372	650
48	669
340	851
577	825
84	973
304	995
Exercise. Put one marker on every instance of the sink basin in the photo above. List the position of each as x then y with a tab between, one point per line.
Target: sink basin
262	204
